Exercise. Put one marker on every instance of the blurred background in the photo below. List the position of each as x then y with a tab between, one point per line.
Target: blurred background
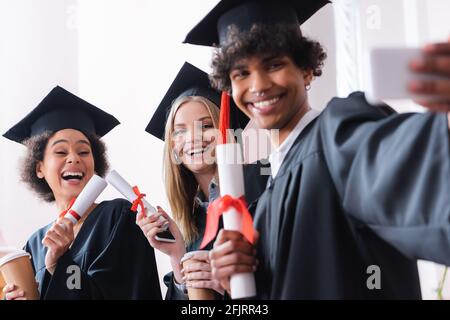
122	56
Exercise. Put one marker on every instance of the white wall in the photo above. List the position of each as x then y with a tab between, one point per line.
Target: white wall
37	52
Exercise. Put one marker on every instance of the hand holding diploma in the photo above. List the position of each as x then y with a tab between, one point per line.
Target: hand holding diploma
58	239
140	204
232	253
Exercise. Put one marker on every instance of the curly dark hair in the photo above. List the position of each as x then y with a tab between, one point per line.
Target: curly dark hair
264	41
35	152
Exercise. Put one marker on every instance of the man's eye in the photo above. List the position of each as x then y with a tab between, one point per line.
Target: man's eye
84	153
275	65
60	153
239	74
207	126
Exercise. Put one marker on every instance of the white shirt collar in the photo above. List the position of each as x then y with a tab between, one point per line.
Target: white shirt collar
277	156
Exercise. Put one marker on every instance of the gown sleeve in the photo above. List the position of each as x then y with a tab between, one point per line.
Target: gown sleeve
124	269
173	292
392	173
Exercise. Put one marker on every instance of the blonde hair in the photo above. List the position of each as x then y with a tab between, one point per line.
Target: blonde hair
181	185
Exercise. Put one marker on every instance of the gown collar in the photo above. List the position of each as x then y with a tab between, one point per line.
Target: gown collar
277	156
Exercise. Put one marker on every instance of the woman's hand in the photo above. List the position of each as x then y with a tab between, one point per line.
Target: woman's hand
198	273
12	292
151	225
58	240
232	254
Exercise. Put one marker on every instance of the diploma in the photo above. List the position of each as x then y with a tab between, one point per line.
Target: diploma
121	185
86	198
231	178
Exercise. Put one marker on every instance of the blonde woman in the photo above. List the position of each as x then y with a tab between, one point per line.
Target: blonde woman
190	173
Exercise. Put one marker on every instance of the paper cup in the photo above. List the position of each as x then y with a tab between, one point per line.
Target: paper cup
16	269
197	293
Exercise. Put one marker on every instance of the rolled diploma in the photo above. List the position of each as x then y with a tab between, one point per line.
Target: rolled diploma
118	182
231	180
86	198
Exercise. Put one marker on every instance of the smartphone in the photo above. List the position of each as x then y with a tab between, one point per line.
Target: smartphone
389	74
165	236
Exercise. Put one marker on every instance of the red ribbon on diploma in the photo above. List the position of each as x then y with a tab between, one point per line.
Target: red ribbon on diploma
138	201
68	210
217	208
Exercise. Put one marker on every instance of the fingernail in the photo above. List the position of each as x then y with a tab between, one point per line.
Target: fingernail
415	85
417	64
188	255
429	47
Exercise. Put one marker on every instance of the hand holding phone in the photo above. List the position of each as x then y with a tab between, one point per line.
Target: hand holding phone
389	75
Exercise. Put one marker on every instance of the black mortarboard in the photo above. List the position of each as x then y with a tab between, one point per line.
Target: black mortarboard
213	28
190	81
60	110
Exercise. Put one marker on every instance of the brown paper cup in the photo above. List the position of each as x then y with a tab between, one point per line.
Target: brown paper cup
16	269
197	293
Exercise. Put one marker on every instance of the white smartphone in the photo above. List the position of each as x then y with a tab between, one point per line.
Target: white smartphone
389	74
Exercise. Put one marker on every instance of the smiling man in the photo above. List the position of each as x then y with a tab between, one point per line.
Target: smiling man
354	189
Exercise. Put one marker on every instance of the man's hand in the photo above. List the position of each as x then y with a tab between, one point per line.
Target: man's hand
232	254
436	61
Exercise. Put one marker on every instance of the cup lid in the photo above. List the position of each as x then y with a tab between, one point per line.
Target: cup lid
12	255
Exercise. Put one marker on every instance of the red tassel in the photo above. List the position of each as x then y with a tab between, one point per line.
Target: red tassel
224	120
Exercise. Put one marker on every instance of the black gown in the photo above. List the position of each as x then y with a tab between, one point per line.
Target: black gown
114	257
255	183
360	186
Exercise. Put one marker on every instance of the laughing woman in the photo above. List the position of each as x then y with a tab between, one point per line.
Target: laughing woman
105	247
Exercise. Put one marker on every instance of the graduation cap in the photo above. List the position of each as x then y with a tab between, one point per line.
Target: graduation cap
190	81
60	110
213	28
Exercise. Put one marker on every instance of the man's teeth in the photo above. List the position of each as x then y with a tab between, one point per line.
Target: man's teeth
266	103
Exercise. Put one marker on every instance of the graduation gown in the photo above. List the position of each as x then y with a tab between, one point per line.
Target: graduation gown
255	184
114	258
361	186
